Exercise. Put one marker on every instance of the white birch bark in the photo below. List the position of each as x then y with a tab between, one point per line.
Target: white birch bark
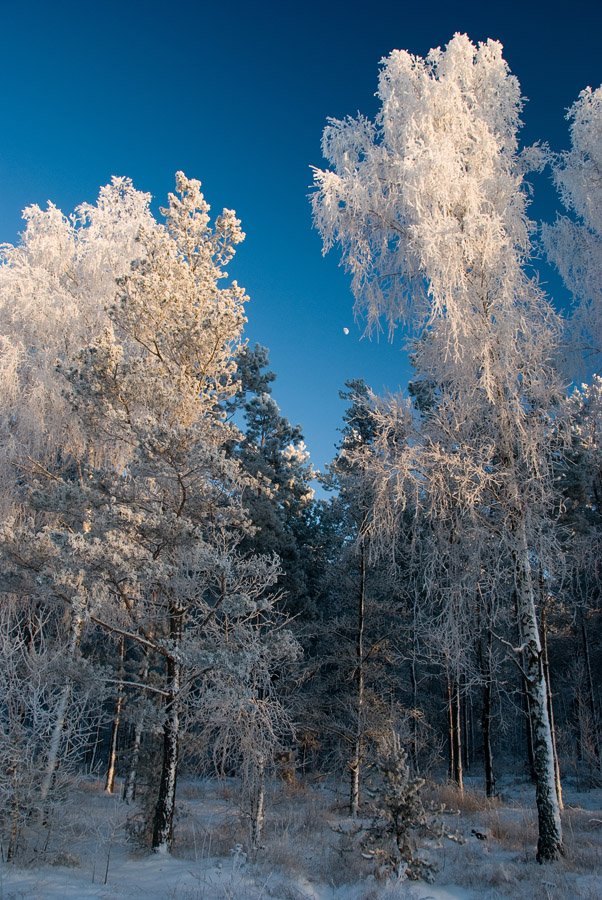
549	844
54	746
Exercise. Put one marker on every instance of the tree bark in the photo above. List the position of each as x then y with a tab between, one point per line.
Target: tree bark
454	729
457	735
549	845
546	665
52	757
591	696
112	767
257	803
486	715
166	800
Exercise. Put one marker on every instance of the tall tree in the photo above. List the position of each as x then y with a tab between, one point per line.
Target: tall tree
357	617
54	287
428	205
144	541
574	242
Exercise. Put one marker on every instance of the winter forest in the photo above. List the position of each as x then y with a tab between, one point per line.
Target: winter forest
184	617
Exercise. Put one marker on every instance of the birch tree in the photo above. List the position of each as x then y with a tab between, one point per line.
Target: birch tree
574	241
54	287
428	205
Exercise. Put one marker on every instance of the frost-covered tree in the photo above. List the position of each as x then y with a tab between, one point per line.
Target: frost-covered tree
143	538
54	288
428	205
33	699
581	480
574	244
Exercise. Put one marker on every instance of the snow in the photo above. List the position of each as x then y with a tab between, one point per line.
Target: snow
304	858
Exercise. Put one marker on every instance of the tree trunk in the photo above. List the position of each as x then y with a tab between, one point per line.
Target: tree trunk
112	768
528	724
591	696
454	729
546	668
467	728
526	699
257	803
129	788
451	765
52	757
486	716
414	683
166	800
549	845
356	759
457	735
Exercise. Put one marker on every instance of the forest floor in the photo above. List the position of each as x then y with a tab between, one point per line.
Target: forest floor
309	852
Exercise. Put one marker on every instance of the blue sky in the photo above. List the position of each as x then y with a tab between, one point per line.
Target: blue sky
237	94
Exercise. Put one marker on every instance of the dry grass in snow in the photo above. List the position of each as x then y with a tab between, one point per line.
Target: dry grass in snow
311	850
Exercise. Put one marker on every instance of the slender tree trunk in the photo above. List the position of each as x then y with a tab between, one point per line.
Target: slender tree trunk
16	804
467	728
486	715
166	800
112	768
549	845
129	788
457	735
546	664
56	737
454	728
257	803
528	724
356	759
414	683
526	699
591	695
451	763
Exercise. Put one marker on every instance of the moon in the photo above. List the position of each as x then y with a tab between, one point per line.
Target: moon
345	331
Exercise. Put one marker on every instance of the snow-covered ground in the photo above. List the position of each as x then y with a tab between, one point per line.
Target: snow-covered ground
309	853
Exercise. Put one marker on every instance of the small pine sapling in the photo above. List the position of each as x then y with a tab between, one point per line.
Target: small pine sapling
401	819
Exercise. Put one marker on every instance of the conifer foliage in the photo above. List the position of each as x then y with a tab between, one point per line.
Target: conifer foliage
401	820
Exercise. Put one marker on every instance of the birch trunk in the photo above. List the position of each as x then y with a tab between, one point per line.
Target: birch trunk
549	845
546	669
54	746
132	776
112	767
257	804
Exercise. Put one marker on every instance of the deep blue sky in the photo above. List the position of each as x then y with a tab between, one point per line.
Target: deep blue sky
237	94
